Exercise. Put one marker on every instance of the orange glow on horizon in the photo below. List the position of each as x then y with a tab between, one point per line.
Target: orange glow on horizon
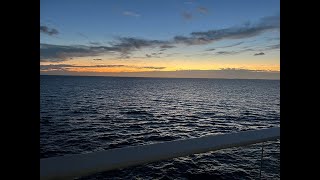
135	65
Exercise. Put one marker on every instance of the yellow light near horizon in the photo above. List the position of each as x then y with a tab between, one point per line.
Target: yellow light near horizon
136	65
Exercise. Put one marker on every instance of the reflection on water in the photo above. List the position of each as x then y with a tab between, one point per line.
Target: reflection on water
86	114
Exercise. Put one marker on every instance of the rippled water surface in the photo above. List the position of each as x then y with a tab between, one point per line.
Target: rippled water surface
86	114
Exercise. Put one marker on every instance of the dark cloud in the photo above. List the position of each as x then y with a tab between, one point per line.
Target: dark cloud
48	31
97	59
123	46
148	55
57	53
191	40
187	15
66	67
226	52
212	49
233	52
166	46
202	10
136	43
130	13
259	54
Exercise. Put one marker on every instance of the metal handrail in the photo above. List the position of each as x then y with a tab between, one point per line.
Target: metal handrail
72	166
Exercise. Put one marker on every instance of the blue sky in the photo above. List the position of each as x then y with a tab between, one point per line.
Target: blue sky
102	23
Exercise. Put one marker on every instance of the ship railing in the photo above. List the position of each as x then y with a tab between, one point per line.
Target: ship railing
73	166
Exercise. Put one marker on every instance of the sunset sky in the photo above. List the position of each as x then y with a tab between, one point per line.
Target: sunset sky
161	38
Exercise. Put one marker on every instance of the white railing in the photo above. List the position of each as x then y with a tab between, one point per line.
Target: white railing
72	166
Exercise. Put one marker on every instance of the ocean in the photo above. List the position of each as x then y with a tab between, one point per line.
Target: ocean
87	114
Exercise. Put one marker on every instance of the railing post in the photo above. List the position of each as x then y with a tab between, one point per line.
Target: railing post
261	160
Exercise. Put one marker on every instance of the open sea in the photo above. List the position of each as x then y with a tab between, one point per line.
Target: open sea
87	114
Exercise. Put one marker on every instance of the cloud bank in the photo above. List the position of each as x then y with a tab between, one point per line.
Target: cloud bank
124	46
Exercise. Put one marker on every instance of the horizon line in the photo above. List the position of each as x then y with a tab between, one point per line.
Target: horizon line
154	77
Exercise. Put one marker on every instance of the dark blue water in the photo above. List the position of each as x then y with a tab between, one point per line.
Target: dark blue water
86	114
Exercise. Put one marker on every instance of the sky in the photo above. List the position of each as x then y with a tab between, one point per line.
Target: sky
161	38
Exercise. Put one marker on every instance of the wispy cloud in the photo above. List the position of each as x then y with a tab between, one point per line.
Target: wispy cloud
259	54
48	31
124	46
272	47
244	31
211	49
226	52
95	43
83	35
264	48
187	15
188	2
221	47
202	10
130	13
231	45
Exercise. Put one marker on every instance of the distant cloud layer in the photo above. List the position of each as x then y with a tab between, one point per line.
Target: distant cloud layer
48	31
124	46
67	67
